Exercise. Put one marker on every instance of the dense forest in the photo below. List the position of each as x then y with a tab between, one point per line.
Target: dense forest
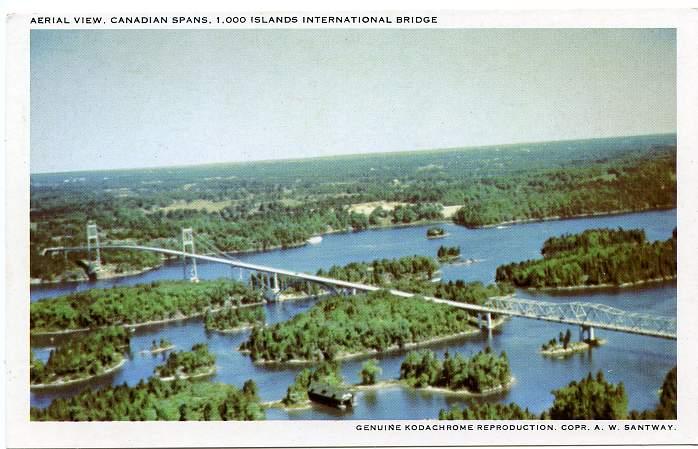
180	400
460	291
187	363
233	317
648	184
262	205
342	325
81	357
589	398
595	257
137	304
384	272
487	411
481	372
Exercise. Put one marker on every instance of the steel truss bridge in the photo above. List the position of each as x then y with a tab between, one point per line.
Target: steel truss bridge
587	316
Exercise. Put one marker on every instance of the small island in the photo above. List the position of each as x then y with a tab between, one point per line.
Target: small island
343	327
436	232
448	254
198	362
137	305
326	374
563	346
161	346
595	258
234	319
81	359
482	374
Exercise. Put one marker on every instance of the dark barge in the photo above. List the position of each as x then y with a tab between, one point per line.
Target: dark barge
334	396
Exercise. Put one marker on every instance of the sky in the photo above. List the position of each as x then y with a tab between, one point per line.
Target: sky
105	99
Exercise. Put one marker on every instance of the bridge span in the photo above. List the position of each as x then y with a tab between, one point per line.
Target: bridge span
587	316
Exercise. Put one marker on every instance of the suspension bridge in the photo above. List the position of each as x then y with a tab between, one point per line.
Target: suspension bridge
587	316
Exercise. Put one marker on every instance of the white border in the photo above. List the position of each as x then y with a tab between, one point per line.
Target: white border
21	432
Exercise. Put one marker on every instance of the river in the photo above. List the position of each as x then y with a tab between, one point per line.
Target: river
639	362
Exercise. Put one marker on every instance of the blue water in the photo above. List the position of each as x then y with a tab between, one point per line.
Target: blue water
639	362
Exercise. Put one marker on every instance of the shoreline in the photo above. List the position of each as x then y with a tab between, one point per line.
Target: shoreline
85	278
157	350
373	352
465	392
579	346
137	325
566	217
235	329
81	379
209	372
589	287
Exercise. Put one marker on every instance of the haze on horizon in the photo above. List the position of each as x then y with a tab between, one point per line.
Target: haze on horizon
108	99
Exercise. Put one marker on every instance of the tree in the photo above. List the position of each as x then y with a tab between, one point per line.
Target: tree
250	389
369	372
208	409
183	412
667	400
591	398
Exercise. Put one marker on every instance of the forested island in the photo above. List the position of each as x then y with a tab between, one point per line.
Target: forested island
436	233
447	254
198	362
385	272
483	373
81	358
258	206
155	400
564	345
161	346
327	372
136	305
231	319
590	398
596	257
339	327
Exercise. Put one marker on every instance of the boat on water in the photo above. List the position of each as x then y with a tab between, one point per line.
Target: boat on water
332	395
314	240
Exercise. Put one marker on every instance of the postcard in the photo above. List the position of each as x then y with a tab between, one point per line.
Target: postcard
351	229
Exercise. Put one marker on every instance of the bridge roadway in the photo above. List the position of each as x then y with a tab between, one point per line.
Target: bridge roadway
602	316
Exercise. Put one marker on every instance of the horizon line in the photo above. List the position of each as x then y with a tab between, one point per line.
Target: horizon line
377	153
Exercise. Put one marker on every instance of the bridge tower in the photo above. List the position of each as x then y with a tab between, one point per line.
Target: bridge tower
487	322
93	243
188	243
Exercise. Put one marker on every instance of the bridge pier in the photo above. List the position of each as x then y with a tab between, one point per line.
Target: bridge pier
487	323
587	331
276	288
